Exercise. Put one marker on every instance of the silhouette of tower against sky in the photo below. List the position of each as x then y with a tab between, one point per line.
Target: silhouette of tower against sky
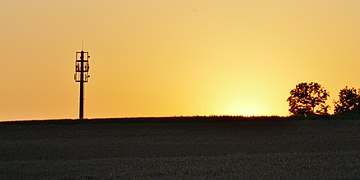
82	75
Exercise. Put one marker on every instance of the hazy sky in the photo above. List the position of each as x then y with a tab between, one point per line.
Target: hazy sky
173	57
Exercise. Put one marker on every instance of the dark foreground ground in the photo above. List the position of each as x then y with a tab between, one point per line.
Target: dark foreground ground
180	149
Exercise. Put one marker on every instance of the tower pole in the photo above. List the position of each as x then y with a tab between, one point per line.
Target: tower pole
81	76
81	104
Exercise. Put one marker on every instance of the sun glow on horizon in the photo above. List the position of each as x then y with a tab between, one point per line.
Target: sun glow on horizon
242	109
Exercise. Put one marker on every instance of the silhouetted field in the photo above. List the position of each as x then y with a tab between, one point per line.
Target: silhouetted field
180	148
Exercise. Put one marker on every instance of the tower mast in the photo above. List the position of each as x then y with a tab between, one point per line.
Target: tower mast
82	75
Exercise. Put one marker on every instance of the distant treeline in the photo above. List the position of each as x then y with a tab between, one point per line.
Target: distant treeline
309	100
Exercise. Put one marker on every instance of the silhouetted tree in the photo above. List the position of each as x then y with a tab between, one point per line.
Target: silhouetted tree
349	101
308	99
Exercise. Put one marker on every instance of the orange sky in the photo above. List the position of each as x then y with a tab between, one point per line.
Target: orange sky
173	57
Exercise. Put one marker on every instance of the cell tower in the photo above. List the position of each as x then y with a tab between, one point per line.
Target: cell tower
82	75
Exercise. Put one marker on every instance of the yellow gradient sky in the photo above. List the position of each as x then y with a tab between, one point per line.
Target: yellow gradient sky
173	57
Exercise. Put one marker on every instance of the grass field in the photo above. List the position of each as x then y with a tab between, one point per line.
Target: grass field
180	148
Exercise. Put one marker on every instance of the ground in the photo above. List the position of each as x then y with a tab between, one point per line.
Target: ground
180	148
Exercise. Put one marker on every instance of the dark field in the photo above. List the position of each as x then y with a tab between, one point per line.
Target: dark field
181	148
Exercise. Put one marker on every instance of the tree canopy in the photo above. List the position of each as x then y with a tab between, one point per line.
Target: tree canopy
349	101
308	99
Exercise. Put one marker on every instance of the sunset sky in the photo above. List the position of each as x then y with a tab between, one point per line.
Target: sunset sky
173	57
